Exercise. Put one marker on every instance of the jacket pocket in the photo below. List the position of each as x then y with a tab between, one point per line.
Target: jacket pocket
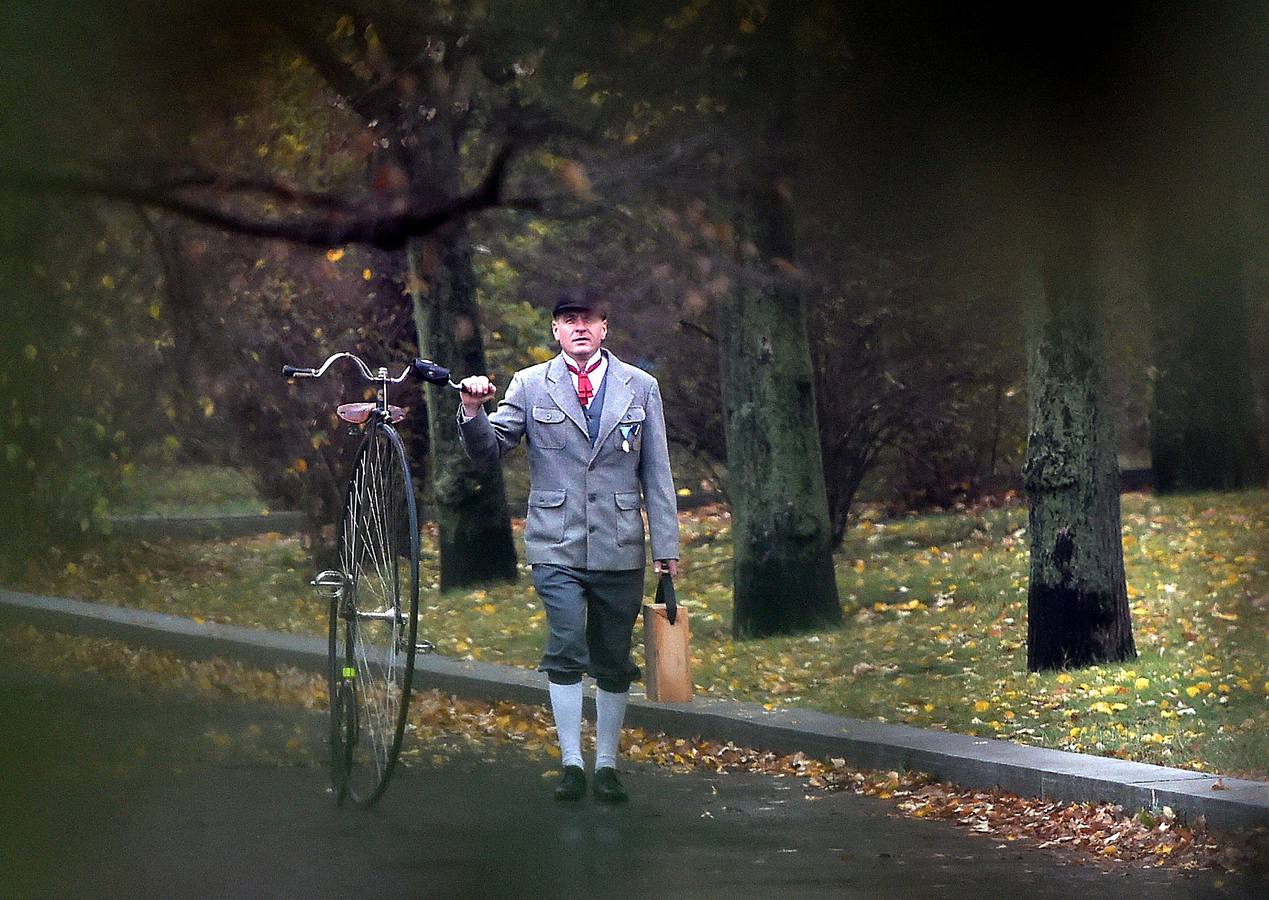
546	517
548	428
629	519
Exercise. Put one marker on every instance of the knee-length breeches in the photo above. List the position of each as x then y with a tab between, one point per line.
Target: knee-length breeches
591	616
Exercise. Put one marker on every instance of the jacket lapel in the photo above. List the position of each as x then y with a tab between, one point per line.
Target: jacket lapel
616	400
565	395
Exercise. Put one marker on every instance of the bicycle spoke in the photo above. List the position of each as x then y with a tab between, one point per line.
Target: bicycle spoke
376	706
377	526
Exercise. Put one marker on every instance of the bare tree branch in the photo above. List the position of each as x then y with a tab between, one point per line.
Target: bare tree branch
704	332
347	223
273	189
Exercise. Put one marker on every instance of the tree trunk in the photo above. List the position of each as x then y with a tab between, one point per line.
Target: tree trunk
783	570
1077	602
1203	432
1207	146
476	543
185	314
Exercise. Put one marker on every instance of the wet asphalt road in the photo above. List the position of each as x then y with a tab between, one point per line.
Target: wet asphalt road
110	790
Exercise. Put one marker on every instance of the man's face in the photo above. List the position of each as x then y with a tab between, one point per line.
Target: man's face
579	332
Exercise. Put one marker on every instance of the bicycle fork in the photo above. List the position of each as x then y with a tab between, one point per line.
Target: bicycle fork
334	584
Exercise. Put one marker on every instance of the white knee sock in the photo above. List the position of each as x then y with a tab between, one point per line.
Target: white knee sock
610	712
566	706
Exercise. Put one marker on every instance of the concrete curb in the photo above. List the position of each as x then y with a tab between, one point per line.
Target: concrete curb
206	527
968	761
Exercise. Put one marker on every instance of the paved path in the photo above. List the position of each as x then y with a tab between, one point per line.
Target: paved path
109	790
972	762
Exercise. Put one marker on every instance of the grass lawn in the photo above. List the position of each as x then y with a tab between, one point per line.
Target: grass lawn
217	491
934	634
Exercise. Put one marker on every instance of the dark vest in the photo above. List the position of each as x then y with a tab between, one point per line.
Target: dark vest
596	408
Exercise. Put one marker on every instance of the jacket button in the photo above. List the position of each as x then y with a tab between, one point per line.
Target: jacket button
591	497
593	529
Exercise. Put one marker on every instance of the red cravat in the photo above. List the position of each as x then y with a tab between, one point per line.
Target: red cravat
584	389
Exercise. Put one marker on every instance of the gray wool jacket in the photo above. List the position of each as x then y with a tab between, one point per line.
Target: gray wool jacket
584	502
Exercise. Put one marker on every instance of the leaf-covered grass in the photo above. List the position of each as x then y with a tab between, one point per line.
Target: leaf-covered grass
934	635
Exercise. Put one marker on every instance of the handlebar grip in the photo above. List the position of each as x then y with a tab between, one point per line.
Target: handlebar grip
288	371
431	372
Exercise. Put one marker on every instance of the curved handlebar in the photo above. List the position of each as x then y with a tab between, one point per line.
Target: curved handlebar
420	368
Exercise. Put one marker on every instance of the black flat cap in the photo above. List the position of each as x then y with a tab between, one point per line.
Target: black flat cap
579	299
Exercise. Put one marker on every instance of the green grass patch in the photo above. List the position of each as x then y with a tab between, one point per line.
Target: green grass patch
187	491
934	636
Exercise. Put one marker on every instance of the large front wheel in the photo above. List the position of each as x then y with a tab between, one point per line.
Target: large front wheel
375	623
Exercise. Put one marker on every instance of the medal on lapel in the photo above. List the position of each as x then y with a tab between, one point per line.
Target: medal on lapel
628	433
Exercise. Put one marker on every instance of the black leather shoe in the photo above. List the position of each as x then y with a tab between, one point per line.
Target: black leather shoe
573	785
608	787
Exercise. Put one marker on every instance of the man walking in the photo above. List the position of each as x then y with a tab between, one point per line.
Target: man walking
596	439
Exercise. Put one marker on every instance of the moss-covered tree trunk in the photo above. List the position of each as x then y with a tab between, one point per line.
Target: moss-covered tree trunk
476	543
1077	601
783	570
1203	432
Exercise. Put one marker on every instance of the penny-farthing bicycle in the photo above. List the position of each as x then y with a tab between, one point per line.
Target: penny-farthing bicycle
372	637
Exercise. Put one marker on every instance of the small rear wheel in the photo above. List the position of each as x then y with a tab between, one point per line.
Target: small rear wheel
375	623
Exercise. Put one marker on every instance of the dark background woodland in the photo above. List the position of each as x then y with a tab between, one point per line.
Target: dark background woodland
826	215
